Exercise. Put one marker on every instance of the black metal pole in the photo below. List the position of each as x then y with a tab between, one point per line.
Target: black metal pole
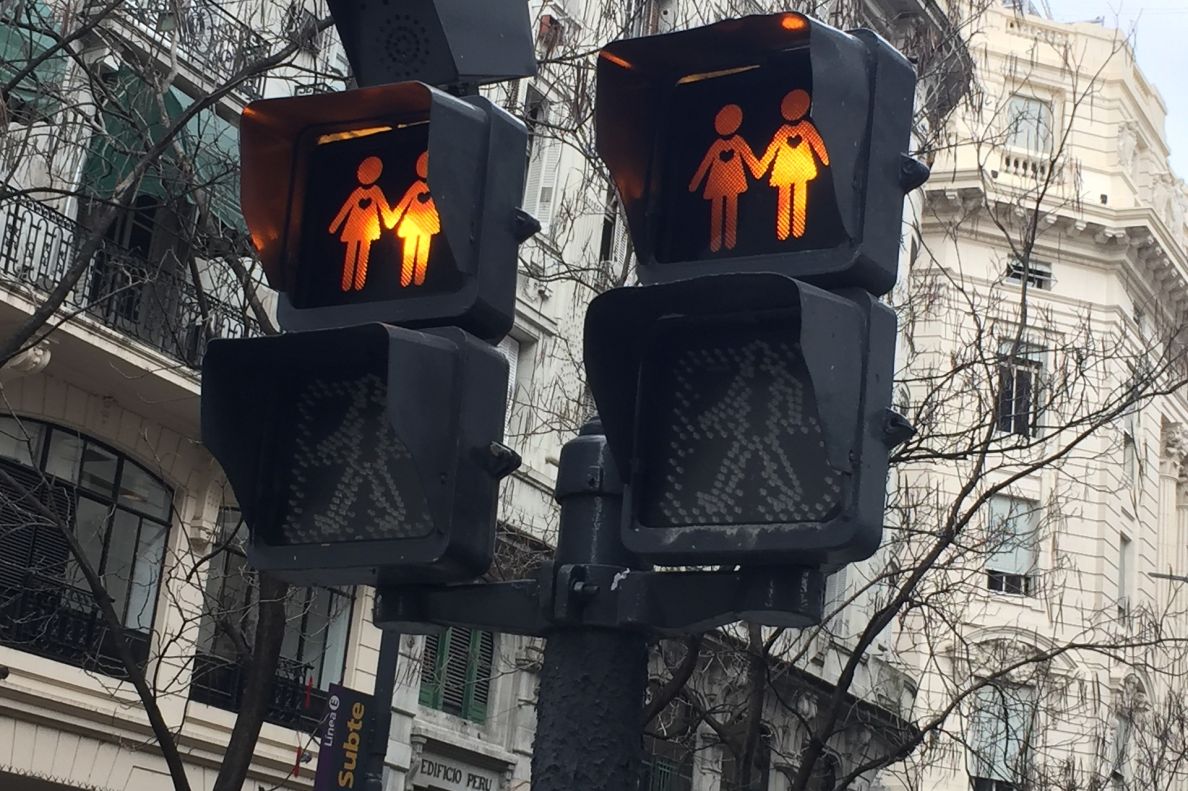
385	684
589	727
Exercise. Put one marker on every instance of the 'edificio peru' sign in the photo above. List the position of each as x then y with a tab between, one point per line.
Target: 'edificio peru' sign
437	771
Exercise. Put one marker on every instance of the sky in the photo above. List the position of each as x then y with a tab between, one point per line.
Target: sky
1160	38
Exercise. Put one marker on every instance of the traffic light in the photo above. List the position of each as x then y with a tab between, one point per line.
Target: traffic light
397	203
745	389
361	455
783	140
749	413
364	446
441	42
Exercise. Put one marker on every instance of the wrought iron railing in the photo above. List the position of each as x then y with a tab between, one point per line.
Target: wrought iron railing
312	88
47	617
213	41
38	246
295	702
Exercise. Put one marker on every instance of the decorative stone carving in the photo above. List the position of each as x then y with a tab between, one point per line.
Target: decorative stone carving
1127	143
1162	195
417	742
27	363
1173	453
1179	210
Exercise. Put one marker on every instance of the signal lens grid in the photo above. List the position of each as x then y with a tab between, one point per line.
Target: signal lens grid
730	430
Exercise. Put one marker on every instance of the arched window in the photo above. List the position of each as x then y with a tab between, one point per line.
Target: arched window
760	766
313	650
825	773
119	514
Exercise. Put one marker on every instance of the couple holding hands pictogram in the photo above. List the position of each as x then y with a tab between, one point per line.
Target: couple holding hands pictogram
414	218
790	158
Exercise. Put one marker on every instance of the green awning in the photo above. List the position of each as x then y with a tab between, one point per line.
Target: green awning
137	116
212	143
25	37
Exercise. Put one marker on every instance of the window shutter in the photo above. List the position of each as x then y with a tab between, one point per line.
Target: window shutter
1006	396
1024	424
481	660
18	530
28	542
455	671
550	154
431	670
509	347
620	247
536	116
532	180
835	595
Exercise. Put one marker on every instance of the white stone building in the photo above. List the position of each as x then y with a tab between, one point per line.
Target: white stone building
100	419
1052	260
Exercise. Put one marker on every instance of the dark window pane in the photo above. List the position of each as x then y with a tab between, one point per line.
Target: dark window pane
140	490
121	553
667	766
1022	406
98	469
336	639
1006	398
48	606
65	455
294	619
20	441
90	529
146	575
314	645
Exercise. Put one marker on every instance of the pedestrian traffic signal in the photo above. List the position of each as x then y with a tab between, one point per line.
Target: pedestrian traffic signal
362	455
458	43
750	416
396	204
768	143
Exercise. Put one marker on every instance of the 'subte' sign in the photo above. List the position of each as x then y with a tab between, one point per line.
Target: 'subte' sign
344	740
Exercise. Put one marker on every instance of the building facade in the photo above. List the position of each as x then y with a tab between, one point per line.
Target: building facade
1043	354
100	436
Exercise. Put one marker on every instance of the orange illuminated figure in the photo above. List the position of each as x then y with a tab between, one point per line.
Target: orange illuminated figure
792	157
724	171
419	223
359	220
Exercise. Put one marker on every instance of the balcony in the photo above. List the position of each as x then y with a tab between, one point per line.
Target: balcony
313	88
42	615
1034	173
295	702
119	290
210	40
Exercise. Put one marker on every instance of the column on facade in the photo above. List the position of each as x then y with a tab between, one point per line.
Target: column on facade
417	742
194	534
1173	513
707	762
1173	503
1171	536
1181	511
